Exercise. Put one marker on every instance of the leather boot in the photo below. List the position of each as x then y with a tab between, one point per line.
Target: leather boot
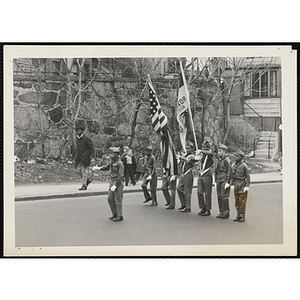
206	213
237	218
154	198
202	211
146	194
242	218
225	215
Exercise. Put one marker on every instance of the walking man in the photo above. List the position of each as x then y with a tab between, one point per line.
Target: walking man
240	180
84	150
186	178
150	177
222	177
115	190
205	179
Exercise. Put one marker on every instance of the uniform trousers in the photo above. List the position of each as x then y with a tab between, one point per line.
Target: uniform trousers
223	197
166	183
204	190
240	200
115	200
185	188
153	187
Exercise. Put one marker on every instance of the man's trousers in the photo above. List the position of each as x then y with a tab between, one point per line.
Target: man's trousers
129	174
82	171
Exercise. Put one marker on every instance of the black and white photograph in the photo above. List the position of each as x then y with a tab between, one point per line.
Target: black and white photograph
150	151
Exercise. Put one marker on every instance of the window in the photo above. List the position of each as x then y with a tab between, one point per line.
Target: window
173	66
273	83
247	86
56	67
86	70
264	85
261	84
255	85
74	69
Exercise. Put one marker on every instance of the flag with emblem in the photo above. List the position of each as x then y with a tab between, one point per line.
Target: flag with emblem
183	103
183	111
160	125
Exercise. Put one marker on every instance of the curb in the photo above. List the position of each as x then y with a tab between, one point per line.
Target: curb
101	193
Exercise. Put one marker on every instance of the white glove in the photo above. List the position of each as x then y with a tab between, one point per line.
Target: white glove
226	186
96	168
113	188
173	177
149	177
246	189
190	157
197	152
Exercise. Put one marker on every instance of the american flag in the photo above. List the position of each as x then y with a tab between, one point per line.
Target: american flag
160	124
158	119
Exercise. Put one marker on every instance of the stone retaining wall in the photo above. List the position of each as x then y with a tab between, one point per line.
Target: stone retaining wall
40	115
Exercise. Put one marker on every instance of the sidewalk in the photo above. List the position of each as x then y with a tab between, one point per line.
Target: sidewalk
51	191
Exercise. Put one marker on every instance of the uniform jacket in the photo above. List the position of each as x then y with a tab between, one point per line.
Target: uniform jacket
186	166
84	150
240	176
116	171
223	170
140	165
207	157
150	165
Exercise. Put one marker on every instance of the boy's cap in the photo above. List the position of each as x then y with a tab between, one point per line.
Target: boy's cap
223	147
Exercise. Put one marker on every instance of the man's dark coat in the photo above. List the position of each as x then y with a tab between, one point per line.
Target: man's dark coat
84	150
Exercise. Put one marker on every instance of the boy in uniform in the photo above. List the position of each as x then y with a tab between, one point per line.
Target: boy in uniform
240	180
150	176
186	178
222	177
115	190
205	179
169	181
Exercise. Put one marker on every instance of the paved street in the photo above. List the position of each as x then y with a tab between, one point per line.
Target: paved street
84	222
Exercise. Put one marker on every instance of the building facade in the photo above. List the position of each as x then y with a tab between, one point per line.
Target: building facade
257	101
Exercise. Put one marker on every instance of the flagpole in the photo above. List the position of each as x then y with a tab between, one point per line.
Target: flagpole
189	106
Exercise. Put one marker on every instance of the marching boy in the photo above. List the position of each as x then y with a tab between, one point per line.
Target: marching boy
150	177
186	178
240	181
205	179
223	175
115	191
